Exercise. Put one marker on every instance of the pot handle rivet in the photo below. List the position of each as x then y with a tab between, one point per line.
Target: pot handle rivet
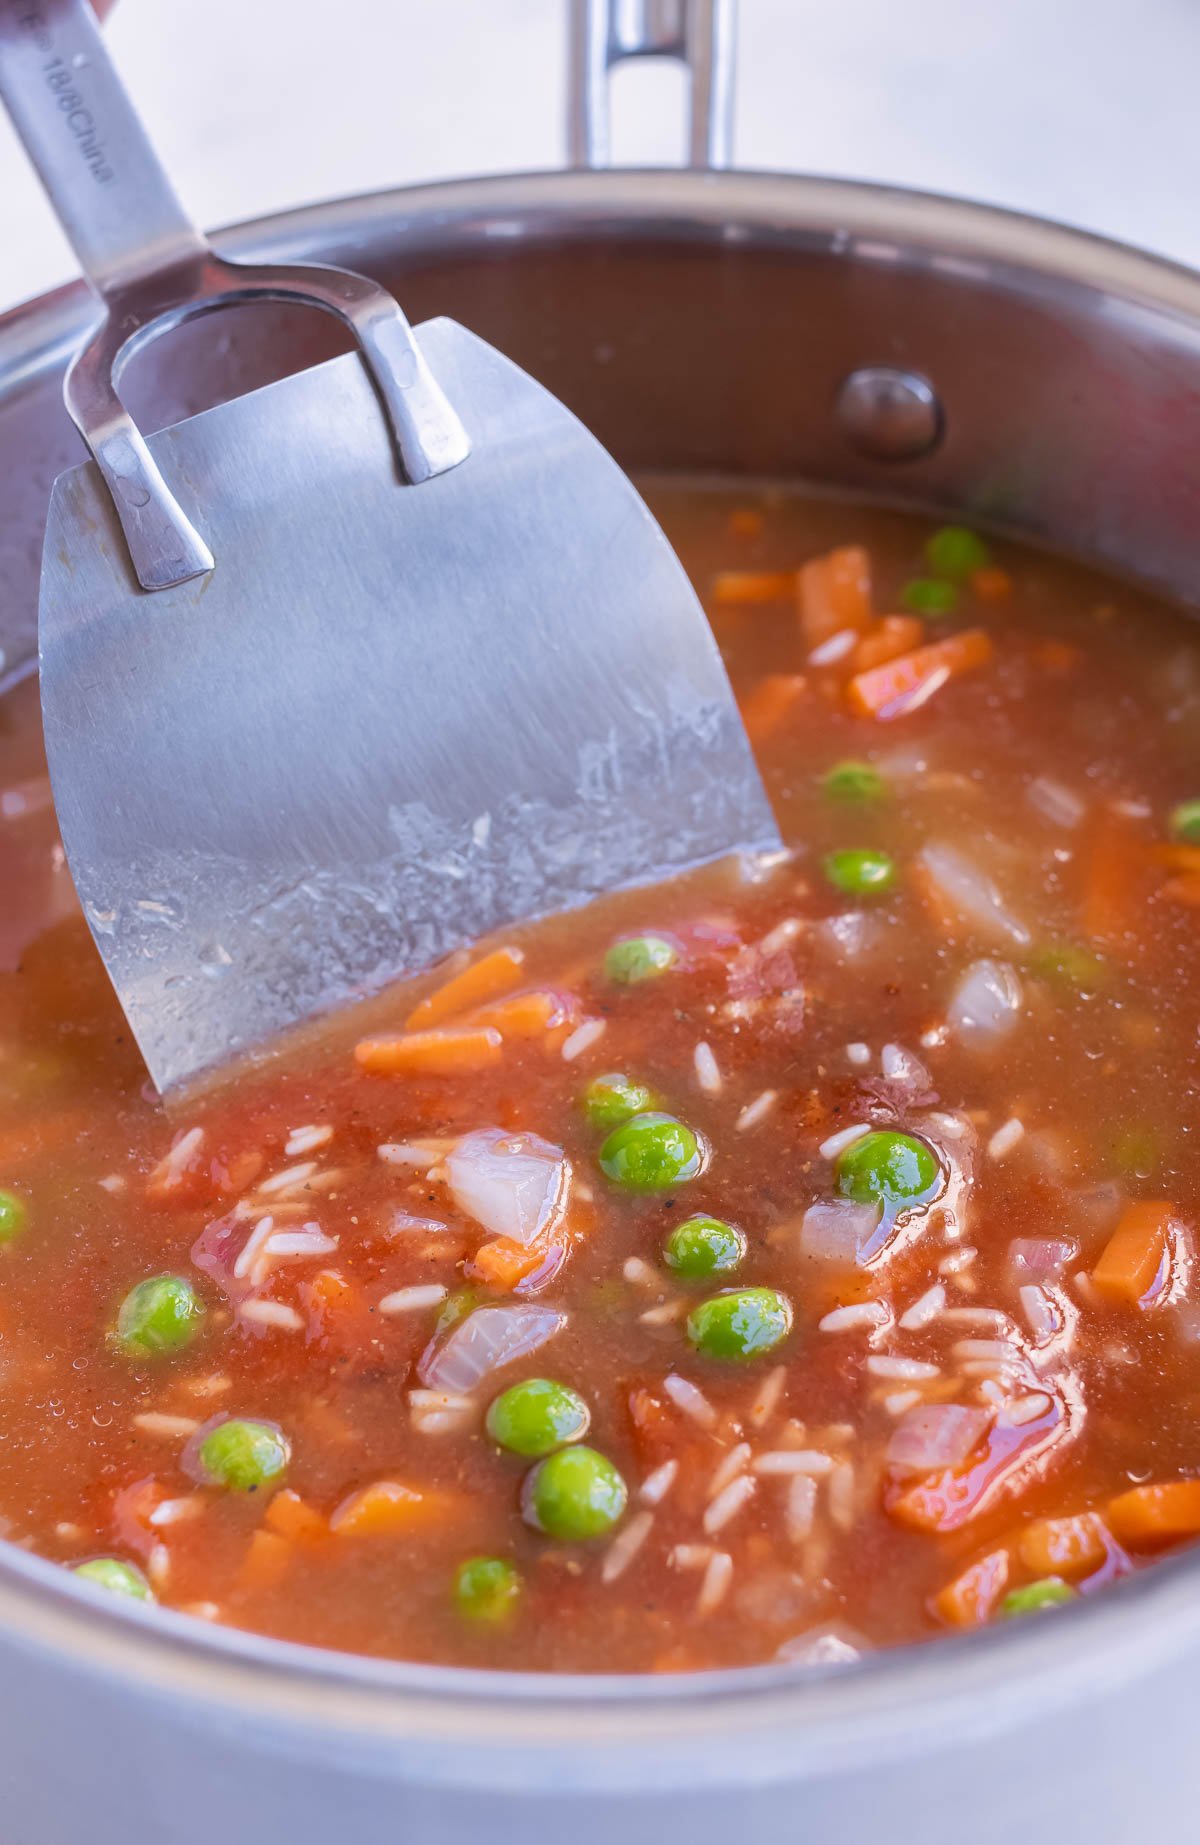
888	414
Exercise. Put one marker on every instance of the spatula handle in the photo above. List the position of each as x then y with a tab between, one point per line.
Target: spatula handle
152	269
85	139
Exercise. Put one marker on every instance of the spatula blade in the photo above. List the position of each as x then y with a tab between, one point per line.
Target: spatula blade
392	719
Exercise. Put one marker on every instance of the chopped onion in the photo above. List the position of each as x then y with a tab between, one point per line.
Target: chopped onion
515	1185
902	1067
936	1435
1060	805
848	935
486	1340
986	1001
822	1646
969	893
838	1230
1038	1257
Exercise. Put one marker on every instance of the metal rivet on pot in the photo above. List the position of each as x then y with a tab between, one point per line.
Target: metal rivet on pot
888	414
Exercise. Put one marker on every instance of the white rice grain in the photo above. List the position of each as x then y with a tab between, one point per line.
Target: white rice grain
283	1245
785	1461
899	1402
689	1556
689	1399
291	1179
664	1314
727	1504
624	1549
657	1485
800	1508
158	1566
767	1397
871	1313
639	1274
858	1054
153	1422
842	1507
440	1412
756	1111
113	1183
845	1137
902	1369
989	1318
779	937
307	1139
1040	1311
1028	1408
835	648
715	1586
271	1313
1006	1138
708	1073
923	1310
413	1300
253	1247
414	1152
731	1466
176	1511
583	1037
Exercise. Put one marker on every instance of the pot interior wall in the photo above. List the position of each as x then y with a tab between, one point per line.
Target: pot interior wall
1071	415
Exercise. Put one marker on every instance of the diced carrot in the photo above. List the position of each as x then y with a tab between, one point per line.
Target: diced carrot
338	1318
265	1563
289	1516
1134	1253
1116	884
501	1263
1056	656
494	973
132	1508
753	585
445	1051
746	522
387	1508
770	703
833	594
234	1174
525	1015
969	1600
902	685
1067	1547
1150	1517
184	1178
891	636
1185	859
991	584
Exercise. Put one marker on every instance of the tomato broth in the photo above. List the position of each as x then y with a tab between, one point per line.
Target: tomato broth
793	1260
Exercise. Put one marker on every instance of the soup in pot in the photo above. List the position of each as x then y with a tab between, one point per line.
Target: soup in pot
793	1260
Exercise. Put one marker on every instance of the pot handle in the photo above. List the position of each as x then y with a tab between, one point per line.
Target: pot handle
152	269
698	33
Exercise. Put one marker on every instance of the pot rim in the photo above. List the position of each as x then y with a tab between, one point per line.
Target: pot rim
751	1725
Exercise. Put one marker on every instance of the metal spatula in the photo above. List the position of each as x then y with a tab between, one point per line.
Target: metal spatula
415	660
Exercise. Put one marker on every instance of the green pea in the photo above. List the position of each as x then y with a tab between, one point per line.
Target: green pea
930	596
159	1315
574	1494
741	1324
1185	822
853	781
1050	1592
1069	965
13	1216
537	1416
650	1153
111	1573
639	957
456	1306
609	1100
243	1455
894	1170
701	1246
955	551
860	872
487	1590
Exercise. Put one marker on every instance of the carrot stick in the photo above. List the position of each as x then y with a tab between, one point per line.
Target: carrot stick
441	1052
969	1600
753	585
387	1508
289	1516
1149	1517
770	703
265	1563
902	685
834	593
1067	1547
1133	1254
1115	885
524	1015
891	636
462	992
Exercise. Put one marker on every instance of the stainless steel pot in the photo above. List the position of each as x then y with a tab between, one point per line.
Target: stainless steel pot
698	321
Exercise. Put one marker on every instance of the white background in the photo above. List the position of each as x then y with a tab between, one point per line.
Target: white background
1081	109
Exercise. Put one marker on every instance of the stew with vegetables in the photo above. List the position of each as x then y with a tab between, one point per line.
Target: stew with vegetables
791	1261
